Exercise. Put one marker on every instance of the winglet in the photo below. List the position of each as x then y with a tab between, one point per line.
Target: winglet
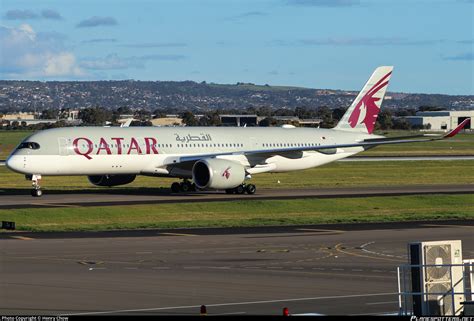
456	130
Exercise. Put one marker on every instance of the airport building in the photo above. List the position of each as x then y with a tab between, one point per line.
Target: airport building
254	120
18	116
310	122
440	120
239	120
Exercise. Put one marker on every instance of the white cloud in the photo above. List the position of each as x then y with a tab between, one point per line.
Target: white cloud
28	54
62	64
28	31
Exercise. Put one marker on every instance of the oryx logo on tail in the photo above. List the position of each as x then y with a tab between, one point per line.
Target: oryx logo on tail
367	109
362	114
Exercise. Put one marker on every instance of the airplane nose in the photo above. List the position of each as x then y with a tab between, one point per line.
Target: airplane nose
14	163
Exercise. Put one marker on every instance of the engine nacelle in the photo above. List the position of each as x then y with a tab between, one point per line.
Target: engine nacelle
217	174
111	180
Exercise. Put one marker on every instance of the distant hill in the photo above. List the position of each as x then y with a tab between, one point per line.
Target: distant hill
189	95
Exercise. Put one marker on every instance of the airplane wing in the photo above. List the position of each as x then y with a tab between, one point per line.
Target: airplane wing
371	142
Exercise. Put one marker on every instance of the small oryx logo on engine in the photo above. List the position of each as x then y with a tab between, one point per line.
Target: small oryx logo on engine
226	173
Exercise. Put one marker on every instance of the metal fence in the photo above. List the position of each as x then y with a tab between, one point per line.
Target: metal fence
445	296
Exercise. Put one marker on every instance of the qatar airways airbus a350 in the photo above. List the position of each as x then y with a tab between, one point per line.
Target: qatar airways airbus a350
221	158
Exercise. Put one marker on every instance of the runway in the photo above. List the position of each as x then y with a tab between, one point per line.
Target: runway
324	269
107	197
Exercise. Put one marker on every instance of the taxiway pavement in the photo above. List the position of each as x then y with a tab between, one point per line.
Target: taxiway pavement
22	198
326	269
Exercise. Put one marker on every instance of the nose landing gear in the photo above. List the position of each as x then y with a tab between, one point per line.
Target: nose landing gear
35	182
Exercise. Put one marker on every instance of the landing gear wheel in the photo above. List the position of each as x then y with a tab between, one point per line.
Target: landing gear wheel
251	189
240	189
175	187
36	192
186	186
35	182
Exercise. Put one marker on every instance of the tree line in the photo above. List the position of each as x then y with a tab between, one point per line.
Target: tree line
97	116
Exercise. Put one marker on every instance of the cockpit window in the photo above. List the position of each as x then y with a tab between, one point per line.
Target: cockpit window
29	145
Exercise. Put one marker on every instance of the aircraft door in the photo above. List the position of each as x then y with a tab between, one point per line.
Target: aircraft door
63	146
253	143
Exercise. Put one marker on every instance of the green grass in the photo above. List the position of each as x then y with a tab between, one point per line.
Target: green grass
245	213
10	139
462	144
338	174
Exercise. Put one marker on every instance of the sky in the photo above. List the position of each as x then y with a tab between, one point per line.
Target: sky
332	44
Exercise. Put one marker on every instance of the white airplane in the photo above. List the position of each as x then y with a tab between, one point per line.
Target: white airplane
220	158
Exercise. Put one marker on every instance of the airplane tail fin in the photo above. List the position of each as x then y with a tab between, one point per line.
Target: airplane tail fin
362	114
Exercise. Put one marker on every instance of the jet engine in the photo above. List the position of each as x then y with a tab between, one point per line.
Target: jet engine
217	174
111	180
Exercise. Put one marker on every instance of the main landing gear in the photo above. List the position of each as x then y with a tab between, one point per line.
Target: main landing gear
35	182
242	189
187	186
184	187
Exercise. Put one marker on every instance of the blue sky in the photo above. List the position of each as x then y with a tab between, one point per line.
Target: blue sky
312	43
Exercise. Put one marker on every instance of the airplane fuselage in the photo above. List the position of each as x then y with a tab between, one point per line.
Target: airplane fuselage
154	150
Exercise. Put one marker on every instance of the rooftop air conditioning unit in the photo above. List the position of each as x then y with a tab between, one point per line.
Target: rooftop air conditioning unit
438	284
